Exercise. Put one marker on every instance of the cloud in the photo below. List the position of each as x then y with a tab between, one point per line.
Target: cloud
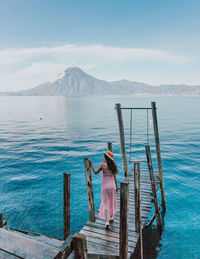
94	52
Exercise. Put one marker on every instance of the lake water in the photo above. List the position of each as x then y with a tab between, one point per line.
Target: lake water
35	152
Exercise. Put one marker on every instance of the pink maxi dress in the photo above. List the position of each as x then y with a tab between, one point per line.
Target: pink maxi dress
108	205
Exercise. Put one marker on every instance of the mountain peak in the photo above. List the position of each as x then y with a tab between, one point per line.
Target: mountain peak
74	70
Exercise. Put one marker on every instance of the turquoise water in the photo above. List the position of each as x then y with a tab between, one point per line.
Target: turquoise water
34	153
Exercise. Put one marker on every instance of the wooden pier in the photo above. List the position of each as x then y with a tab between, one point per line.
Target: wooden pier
136	195
106	242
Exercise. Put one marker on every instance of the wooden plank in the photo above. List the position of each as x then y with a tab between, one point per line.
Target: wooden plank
6	255
132	235
25	247
107	244
66	205
145	204
138	222
109	233
99	249
41	238
105	240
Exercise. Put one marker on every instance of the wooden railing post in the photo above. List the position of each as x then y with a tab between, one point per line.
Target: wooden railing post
66	205
124	210
157	142
110	146
153	186
122	141
80	246
138	223
1	220
88	178
111	149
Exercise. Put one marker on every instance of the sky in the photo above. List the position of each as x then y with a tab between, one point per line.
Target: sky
151	41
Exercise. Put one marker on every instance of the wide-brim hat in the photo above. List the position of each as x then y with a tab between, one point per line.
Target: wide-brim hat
109	154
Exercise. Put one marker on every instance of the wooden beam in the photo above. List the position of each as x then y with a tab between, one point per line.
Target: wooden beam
80	246
110	146
157	142
66	205
122	141
88	178
138	221
1	220
111	149
153	186
124	209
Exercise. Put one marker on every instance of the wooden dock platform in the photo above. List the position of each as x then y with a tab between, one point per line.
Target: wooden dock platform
102	242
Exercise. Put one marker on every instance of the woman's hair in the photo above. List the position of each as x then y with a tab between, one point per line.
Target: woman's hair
111	165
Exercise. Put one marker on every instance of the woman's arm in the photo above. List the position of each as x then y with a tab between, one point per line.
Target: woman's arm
95	171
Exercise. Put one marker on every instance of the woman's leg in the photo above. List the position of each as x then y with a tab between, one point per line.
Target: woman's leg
107	223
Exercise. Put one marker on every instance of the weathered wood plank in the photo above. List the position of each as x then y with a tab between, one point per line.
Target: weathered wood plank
109	233
25	247
6	255
110	239
138	223
100	249
133	235
41	238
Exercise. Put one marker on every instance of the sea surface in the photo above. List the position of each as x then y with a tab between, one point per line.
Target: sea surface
43	137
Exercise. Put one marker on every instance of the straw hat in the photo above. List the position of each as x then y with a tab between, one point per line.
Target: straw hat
109	154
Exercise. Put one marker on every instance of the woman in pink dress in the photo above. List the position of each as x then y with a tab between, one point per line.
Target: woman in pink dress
108	205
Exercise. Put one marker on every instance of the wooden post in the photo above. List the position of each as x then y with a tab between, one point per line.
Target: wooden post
110	146
66	205
111	149
1	220
88	178
153	186
122	141
138	226
124	209
157	142
80	246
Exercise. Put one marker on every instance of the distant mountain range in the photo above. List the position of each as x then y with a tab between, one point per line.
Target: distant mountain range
75	82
